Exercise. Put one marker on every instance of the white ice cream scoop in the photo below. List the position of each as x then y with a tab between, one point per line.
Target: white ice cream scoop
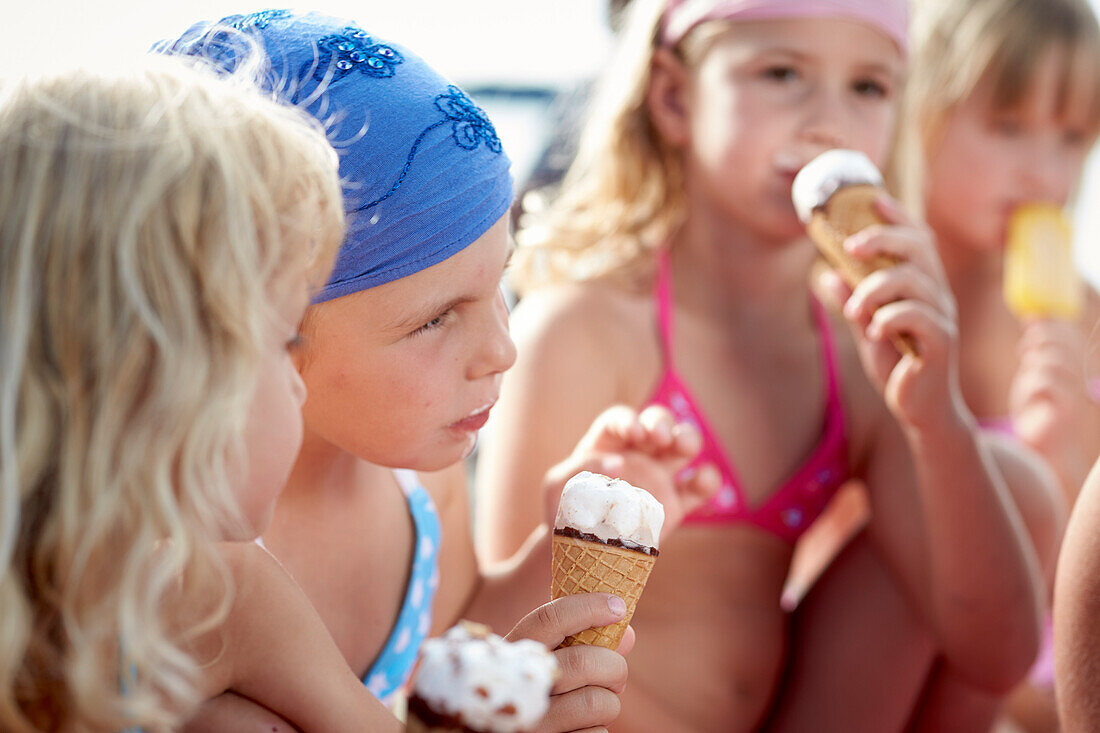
485	682
610	509
826	174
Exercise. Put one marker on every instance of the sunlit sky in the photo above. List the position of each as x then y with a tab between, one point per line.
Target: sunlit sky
554	42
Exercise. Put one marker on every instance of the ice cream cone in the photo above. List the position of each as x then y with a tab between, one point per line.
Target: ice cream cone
584	566
851	209
834	195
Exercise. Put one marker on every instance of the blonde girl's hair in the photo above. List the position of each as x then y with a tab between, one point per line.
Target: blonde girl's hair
150	220
959	45
622	195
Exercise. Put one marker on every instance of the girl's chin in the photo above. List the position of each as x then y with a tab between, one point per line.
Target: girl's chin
445	455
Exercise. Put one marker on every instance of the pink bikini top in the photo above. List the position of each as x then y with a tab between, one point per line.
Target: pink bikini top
792	507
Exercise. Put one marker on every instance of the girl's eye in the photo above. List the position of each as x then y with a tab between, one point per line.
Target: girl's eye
433	324
780	73
870	88
1074	138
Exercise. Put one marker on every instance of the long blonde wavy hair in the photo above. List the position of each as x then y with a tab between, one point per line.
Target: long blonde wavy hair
957	45
623	193
150	219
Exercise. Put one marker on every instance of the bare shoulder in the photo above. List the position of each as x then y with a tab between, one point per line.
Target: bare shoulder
595	312
559	327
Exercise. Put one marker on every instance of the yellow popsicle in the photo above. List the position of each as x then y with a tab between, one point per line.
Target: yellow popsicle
1040	279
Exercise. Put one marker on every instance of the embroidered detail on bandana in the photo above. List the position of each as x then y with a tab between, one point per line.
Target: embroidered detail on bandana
470	127
354	49
254	20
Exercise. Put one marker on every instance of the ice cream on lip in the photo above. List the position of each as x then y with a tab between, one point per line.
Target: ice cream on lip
828	173
471	679
608	510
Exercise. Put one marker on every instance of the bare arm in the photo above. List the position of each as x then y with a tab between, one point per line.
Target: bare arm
956	537
1077	613
278	654
964	552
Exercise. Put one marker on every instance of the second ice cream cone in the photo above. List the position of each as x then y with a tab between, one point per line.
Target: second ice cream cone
584	566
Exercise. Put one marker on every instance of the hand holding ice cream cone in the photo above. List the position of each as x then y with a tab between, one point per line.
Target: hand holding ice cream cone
907	297
605	541
834	195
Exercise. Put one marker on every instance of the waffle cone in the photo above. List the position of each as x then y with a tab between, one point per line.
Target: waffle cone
581	566
851	209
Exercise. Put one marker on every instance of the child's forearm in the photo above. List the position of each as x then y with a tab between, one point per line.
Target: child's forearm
1077	645
279	653
985	582
507	591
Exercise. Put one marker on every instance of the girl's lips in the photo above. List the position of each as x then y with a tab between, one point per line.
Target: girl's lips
473	422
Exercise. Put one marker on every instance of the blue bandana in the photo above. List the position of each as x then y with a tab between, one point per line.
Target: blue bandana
423	171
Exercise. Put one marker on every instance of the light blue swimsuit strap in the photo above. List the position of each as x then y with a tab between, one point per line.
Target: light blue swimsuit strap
394	665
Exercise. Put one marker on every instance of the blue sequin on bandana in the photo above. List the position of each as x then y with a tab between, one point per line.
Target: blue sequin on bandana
254	20
354	50
423	168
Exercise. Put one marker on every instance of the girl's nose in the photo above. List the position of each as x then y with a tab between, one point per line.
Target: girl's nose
825	119
1046	173
497	351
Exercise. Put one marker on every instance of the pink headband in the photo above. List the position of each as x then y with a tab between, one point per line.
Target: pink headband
888	16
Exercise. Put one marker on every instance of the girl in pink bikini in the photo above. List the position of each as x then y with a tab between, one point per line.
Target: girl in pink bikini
674	259
1005	102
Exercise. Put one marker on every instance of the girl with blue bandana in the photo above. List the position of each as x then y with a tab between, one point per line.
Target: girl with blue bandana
403	353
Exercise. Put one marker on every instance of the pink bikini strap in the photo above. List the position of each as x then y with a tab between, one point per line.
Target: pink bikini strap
663	293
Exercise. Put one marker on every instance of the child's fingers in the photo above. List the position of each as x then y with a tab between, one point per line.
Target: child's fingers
1051	336
627	642
931	330
552	622
698	485
687	441
583	709
614	428
832	287
658	423
892	211
584	665
901	283
902	243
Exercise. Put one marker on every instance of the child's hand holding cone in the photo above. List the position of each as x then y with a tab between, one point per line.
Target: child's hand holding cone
605	541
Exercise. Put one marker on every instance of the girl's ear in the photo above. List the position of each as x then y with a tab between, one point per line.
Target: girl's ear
667	98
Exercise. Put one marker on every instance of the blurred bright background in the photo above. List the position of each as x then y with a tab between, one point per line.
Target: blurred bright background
512	54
